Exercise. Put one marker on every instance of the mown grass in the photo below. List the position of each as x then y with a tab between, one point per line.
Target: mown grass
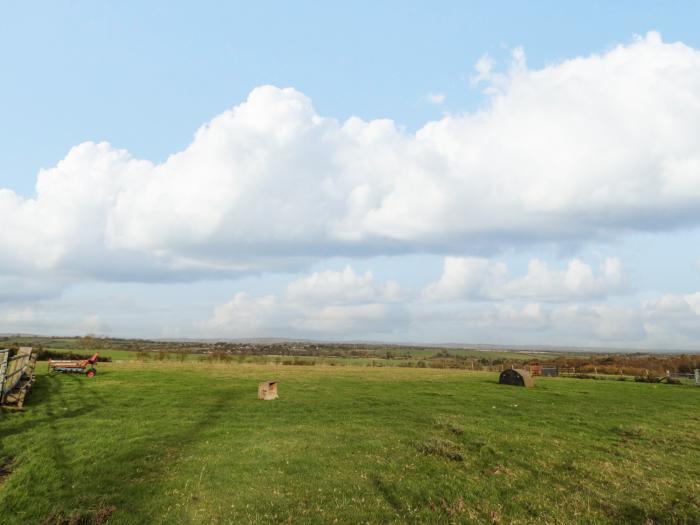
190	443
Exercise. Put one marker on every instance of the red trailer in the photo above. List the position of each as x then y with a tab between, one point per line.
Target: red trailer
83	366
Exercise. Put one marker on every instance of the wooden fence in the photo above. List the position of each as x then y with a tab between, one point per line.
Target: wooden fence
16	376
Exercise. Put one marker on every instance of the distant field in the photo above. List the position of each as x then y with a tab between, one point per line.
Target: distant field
114	354
378	359
165	443
107	347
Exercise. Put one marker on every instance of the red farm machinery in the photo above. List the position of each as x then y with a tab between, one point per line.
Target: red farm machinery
78	366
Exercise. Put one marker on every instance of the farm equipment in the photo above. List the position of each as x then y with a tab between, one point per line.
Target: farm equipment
80	366
16	376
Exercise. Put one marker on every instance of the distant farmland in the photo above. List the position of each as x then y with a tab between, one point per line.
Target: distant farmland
187	442
354	354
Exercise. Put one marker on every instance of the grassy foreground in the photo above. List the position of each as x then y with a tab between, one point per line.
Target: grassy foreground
172	443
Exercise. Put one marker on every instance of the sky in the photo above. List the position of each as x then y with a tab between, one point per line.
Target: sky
448	172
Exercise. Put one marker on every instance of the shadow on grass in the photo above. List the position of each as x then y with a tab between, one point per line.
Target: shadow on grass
667	512
47	394
46	406
61	397
152	468
387	493
54	399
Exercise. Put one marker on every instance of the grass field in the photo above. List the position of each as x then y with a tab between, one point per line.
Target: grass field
157	443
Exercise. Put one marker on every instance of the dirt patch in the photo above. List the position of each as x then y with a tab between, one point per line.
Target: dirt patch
96	516
103	514
6	468
442	448
452	509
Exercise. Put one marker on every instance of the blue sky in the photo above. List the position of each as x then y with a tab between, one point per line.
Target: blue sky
144	77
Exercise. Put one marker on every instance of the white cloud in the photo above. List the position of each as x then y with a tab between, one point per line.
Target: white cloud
467	277
673	319
348	319
584	148
577	281
479	278
346	304
435	98
246	316
328	302
340	287
528	317
90	324
598	322
17	317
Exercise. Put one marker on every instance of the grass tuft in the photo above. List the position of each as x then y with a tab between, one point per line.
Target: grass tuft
449	426
442	448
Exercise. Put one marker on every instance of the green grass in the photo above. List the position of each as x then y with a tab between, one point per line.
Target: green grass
169	443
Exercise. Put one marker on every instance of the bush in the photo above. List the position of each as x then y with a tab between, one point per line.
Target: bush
45	355
584	376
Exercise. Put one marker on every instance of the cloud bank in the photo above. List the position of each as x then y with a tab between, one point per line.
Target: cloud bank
479	278
329	302
586	148
344	304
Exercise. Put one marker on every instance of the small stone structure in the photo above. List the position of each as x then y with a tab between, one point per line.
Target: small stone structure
697	377
516	377
267	390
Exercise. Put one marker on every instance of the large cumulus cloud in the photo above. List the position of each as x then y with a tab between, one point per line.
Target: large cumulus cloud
584	148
